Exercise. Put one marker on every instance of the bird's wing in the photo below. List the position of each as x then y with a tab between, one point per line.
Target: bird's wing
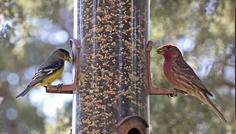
187	70
51	58
43	72
49	69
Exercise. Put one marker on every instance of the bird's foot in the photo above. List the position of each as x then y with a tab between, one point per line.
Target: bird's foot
172	95
59	87
177	91
180	91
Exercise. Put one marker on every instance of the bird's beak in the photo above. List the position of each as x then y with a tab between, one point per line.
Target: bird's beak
69	59
160	51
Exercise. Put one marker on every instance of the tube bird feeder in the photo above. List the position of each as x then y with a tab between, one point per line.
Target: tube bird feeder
112	87
111	67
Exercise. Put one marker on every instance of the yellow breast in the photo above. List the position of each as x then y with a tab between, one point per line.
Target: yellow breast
51	78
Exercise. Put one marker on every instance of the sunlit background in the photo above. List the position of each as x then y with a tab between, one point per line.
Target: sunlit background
204	31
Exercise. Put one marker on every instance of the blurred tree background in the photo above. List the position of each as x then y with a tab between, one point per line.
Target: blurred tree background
204	30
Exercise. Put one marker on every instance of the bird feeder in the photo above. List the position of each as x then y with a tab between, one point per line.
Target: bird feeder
112	94
111	67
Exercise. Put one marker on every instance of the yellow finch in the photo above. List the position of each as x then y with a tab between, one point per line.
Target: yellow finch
49	71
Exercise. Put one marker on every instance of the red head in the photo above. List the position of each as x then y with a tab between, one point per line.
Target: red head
169	51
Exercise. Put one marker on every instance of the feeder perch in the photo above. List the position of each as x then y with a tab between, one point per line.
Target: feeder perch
152	90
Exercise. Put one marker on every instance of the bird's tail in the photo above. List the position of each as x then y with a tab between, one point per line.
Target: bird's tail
28	88
205	99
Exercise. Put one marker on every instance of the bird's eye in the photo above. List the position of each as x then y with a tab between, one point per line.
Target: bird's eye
168	47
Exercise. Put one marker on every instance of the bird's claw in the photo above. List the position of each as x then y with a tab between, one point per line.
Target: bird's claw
172	95
59	87
180	91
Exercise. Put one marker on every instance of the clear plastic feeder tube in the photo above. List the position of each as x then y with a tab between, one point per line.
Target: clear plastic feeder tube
112	74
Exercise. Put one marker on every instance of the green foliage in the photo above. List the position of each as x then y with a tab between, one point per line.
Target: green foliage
60	126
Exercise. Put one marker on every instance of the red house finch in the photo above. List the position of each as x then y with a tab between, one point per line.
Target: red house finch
180	75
